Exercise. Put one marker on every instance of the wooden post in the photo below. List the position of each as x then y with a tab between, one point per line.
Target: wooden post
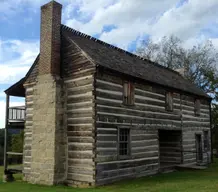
6	133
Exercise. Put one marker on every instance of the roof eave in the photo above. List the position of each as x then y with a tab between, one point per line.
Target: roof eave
16	89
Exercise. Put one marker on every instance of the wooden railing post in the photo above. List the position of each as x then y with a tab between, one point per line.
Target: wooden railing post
6	133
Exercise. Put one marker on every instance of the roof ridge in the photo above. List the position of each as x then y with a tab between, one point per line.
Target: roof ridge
116	48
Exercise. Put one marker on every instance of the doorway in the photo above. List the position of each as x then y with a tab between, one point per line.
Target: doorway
170	143
199	152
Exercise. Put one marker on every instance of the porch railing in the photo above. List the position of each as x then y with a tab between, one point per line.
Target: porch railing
16	113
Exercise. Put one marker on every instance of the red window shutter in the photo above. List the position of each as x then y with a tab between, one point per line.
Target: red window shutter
197	107
132	94
128	93
169	101
125	92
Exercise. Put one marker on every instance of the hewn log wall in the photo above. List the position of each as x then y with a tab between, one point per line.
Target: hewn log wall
95	111
79	83
193	125
144	119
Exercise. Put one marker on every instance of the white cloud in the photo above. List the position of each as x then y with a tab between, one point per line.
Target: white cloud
215	42
186	21
12	74
2	94
134	19
10	8
17	57
2	114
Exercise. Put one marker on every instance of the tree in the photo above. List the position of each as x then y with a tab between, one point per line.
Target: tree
198	63
167	52
2	138
17	142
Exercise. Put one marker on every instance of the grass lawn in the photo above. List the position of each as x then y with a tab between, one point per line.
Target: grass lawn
181	181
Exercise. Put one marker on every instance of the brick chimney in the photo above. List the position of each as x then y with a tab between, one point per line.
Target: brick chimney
50	38
181	71
48	145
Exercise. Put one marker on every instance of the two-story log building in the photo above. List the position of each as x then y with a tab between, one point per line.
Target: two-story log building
96	114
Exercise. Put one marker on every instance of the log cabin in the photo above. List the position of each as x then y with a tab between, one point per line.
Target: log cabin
95	114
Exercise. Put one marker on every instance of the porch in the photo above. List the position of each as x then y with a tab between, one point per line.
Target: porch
14	120
170	149
171	152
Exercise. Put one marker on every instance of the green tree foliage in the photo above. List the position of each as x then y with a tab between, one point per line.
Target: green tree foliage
2	136
17	142
198	63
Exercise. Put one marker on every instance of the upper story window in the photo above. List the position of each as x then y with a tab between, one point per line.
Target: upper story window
128	93
124	142
197	107
169	101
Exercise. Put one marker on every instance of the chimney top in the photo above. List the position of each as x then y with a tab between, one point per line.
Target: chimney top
50	39
49	3
181	71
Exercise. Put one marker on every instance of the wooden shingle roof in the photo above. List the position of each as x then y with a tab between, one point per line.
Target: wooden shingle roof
111	57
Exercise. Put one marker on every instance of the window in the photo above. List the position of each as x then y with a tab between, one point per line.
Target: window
124	140
128	93
197	107
169	101
206	140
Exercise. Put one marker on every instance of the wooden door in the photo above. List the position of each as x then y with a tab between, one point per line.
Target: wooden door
199	153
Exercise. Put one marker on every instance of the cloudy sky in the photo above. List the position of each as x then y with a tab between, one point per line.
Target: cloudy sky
123	23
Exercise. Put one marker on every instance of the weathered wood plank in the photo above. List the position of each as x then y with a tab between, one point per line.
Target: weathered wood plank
125	164
80	177
145	148
80	133
88	154
83	139
138	113
80	105
80	90
79	83
128	119
80	170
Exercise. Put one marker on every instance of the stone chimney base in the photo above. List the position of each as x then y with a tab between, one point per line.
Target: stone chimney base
48	153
